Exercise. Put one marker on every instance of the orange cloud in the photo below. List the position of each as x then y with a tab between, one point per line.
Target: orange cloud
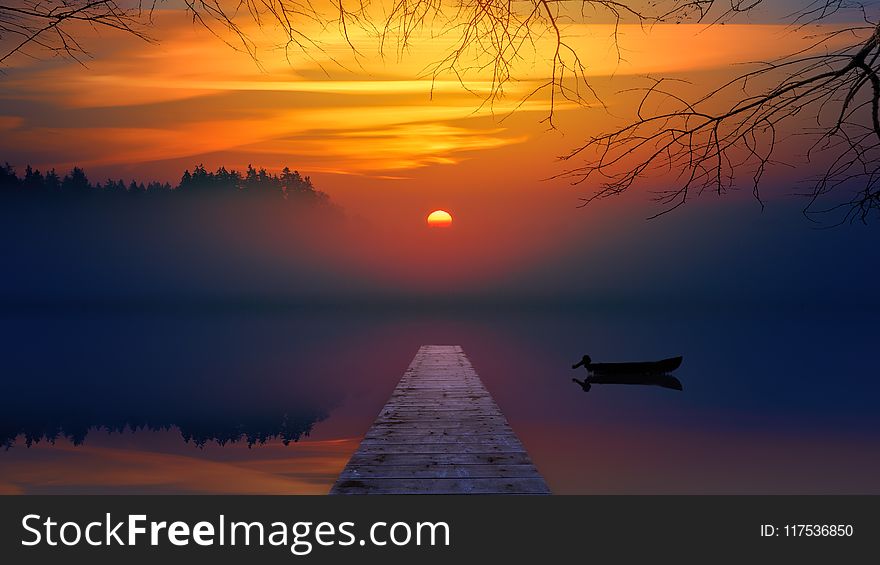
192	96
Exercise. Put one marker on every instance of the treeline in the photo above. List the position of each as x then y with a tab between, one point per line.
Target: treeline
75	182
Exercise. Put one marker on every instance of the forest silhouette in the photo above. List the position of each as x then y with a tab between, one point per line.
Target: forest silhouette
213	234
252	182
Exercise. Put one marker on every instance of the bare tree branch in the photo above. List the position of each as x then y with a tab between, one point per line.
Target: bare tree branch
709	143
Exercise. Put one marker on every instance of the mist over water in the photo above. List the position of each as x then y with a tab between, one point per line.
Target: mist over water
149	345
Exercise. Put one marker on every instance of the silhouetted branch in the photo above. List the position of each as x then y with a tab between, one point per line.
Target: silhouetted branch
46	24
709	142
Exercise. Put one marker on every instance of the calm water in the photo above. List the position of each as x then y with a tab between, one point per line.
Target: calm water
276	401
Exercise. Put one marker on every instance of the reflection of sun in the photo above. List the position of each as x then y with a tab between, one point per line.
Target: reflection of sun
439	219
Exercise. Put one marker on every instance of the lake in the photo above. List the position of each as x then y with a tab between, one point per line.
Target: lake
274	399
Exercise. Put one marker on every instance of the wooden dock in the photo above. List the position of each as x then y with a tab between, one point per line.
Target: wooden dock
440	433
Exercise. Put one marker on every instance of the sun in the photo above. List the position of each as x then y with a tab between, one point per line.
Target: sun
439	219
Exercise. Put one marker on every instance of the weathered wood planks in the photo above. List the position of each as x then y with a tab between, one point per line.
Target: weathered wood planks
440	433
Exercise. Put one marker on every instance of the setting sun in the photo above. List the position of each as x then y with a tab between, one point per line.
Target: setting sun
439	219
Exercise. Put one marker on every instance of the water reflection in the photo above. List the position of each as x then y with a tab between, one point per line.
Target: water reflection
212	380
661	380
227	381
200	423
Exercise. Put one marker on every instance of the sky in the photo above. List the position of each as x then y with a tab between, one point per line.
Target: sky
389	145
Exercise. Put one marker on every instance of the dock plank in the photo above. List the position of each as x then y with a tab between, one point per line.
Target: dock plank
507	485
426	471
440	433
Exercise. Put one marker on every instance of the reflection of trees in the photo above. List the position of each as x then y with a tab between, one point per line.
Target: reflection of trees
257	429
75	183
36	418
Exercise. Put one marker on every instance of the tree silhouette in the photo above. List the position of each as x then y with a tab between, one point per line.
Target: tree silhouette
8	179
33	180
711	143
75	181
255	183
34	26
52	181
716	140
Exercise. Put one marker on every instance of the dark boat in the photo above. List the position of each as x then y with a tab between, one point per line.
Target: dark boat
639	368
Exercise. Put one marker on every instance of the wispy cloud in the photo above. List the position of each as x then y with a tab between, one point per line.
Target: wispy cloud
192	96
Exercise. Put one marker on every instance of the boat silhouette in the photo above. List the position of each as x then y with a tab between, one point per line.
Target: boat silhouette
637	368
652	373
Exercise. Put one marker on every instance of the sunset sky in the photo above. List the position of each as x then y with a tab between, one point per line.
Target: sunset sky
137	108
390	145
